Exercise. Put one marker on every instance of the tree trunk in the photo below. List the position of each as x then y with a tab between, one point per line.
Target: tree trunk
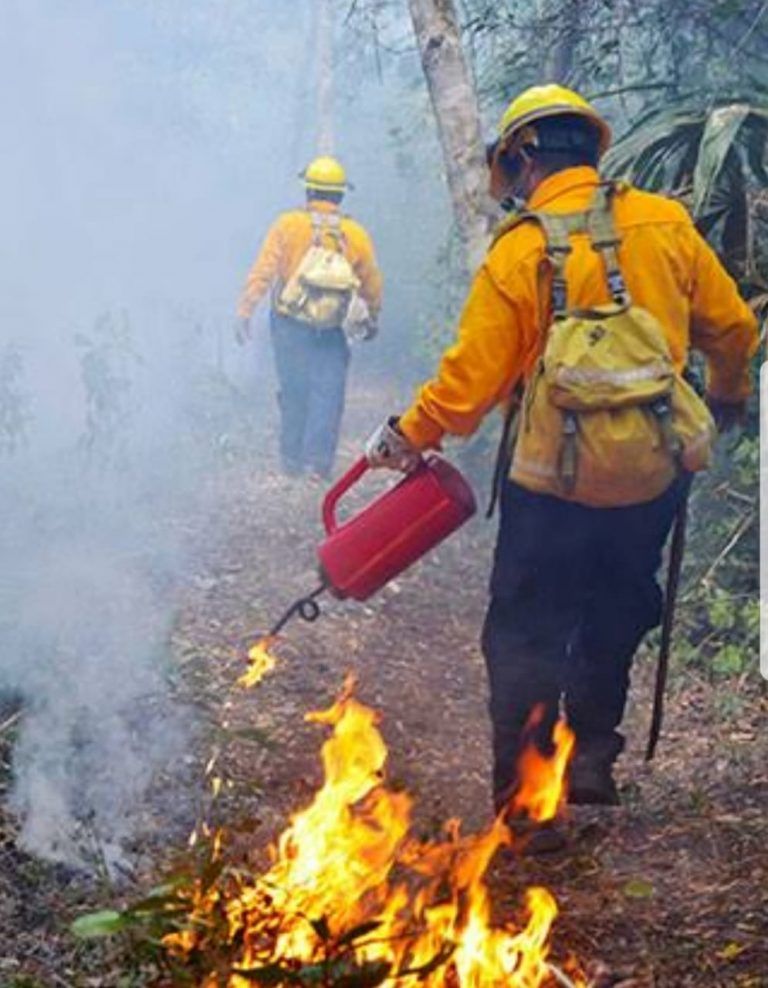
454	101
325	130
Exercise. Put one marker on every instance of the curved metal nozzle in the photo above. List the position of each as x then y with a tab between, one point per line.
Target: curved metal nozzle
307	608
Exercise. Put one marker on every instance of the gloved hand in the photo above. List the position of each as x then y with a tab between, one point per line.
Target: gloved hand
361	331
728	415
359	321
388	447
243	331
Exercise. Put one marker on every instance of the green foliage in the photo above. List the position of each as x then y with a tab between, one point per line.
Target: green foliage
107	358
718	627
138	933
631	56
104	923
713	157
14	404
638	888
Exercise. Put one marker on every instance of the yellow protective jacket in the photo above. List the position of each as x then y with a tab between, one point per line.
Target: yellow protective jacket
286	243
669	269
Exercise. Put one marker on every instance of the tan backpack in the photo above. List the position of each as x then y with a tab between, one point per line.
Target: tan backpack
606	420
320	289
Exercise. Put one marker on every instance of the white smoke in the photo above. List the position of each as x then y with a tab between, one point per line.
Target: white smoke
87	596
148	145
119	397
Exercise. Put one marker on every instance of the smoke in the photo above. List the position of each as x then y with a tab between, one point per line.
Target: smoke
91	568
147	146
118	399
98	718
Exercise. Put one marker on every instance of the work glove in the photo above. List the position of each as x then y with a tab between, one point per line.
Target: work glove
728	415
359	322
388	447
243	331
363	332
371	330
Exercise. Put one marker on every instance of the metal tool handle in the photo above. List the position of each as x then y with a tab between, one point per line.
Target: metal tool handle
676	553
337	492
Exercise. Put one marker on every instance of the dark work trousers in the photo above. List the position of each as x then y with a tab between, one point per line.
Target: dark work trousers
312	375
573	592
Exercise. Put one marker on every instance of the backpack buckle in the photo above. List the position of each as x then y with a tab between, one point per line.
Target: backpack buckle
559	297
617	286
558	256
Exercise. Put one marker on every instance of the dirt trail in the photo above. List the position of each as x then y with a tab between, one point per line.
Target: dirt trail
672	888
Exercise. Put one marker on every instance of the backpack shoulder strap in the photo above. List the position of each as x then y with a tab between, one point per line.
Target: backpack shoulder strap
508	224
606	240
329	223
558	228
597	222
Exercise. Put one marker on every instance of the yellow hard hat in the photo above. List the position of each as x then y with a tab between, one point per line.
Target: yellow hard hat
517	125
551	100
325	174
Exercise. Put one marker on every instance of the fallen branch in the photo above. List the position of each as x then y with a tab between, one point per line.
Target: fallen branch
10	722
739	530
562	979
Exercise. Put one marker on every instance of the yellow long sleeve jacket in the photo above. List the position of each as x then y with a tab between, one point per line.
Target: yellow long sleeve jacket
669	269
286	243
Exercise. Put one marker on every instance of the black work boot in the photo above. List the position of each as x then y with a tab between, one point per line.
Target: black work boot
592	784
529	837
590	778
537	839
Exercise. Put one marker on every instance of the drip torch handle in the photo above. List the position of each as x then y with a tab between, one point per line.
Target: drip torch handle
337	492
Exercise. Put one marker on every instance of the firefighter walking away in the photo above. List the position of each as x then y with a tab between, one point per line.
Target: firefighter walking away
587	305
325	289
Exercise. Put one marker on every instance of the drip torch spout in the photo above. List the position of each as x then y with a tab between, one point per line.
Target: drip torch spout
307	608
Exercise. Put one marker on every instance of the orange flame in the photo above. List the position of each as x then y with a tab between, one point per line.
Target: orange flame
346	871
543	786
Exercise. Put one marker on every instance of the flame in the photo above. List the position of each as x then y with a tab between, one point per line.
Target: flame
543	787
350	886
260	662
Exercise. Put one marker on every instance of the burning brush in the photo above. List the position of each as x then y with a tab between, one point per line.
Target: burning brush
352	899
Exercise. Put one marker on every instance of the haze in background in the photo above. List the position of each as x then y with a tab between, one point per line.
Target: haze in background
146	145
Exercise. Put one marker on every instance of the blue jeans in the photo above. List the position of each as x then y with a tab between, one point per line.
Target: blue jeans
312	375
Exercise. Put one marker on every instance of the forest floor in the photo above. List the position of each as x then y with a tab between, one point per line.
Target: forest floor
669	891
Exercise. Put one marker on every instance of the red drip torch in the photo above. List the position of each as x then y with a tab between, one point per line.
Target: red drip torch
359	556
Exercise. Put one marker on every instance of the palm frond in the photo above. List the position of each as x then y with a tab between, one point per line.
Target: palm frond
720	132
719	153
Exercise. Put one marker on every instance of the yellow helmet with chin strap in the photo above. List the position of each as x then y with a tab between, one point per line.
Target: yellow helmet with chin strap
325	174
517	125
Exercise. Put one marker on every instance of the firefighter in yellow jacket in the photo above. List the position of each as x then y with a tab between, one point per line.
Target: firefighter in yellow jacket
573	589
325	287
